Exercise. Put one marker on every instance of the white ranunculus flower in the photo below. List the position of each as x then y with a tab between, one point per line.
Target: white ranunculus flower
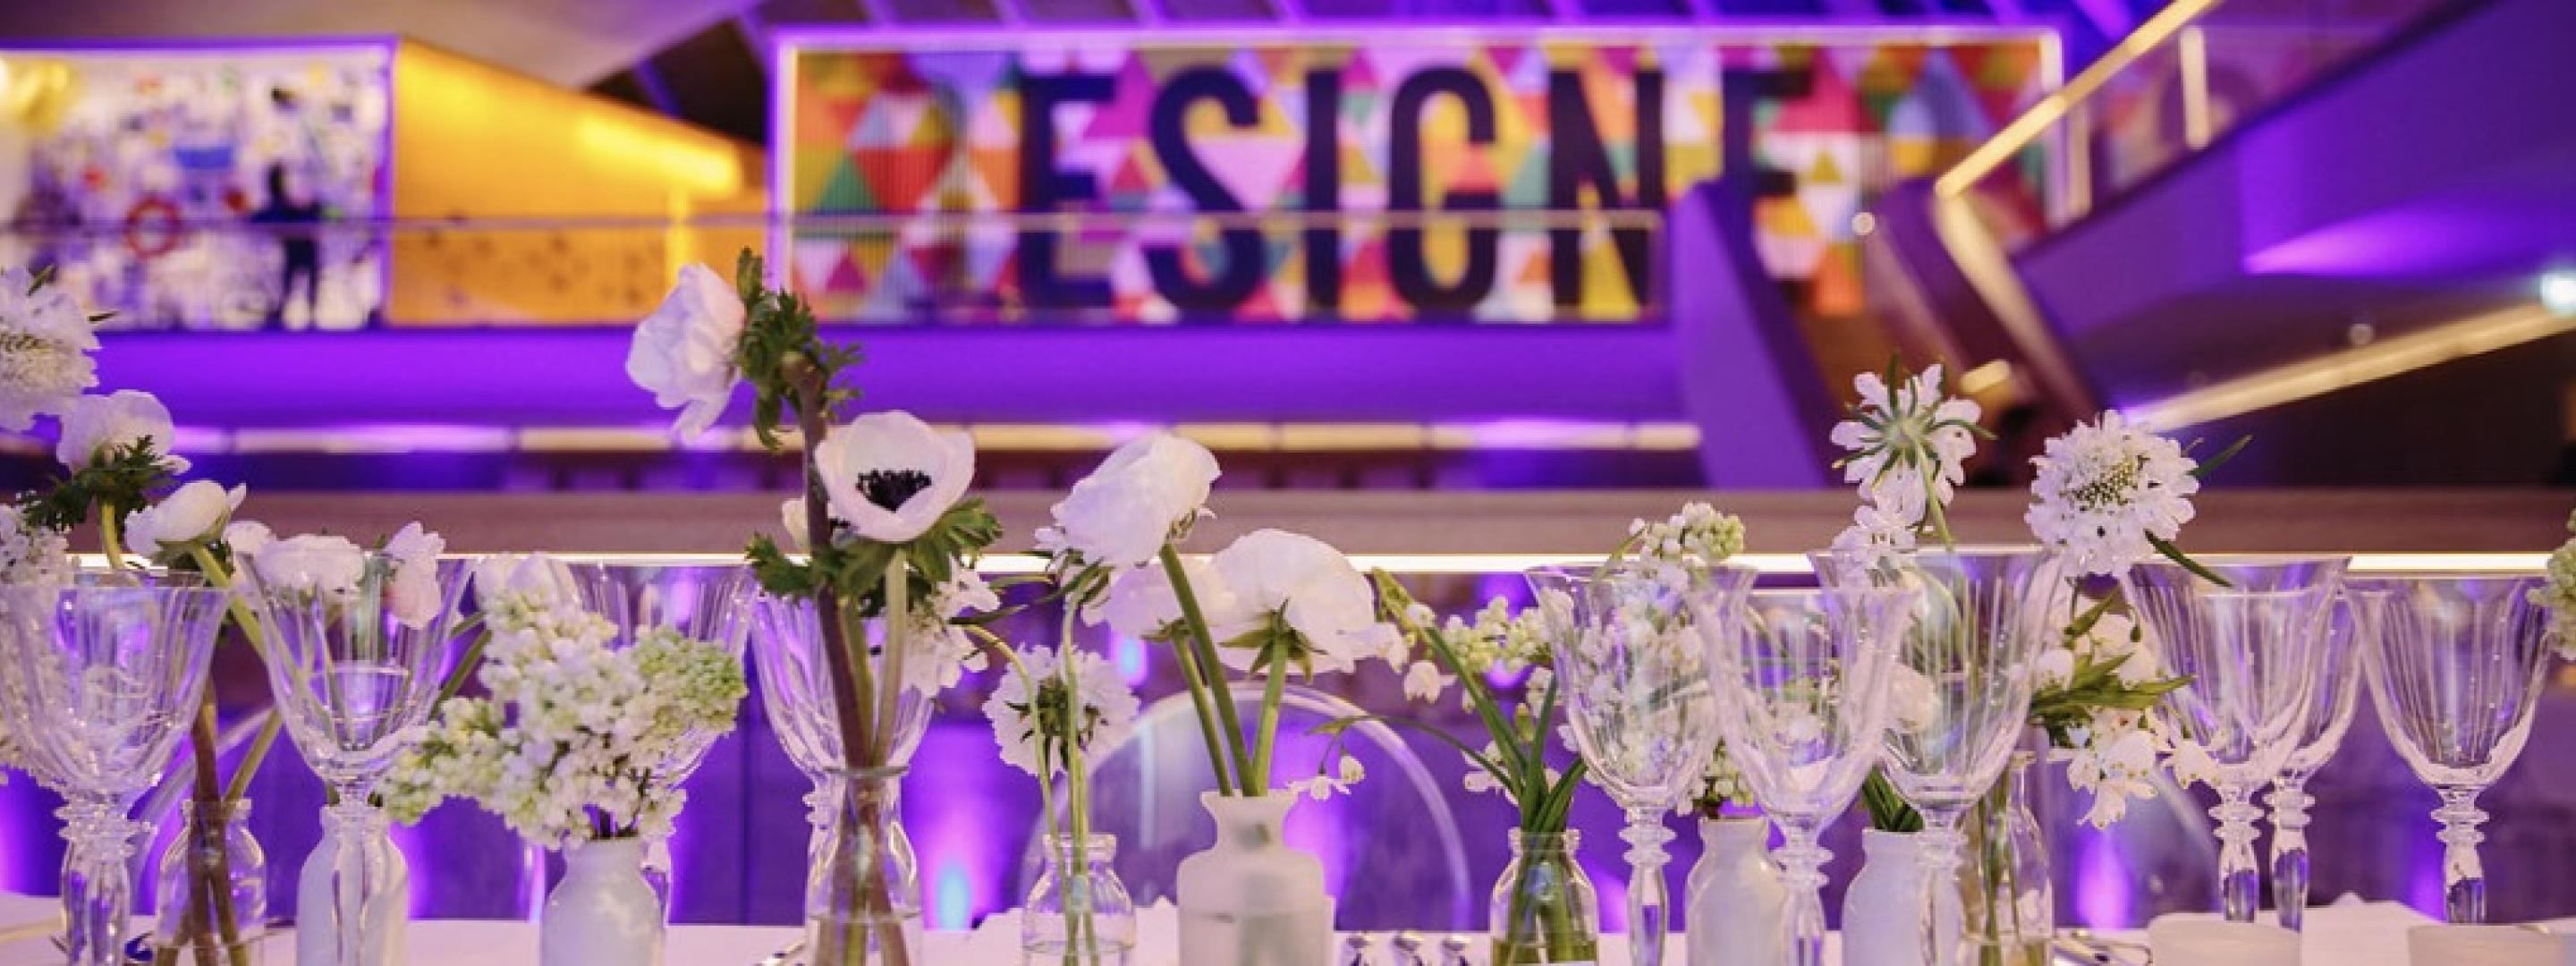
1307	584
1122	513
413	593
891	476
321	563
45	342
1140	603
534	577
192	513
683	353
93	425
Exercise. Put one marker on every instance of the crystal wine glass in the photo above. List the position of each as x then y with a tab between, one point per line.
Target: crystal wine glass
796	693
2250	648
2355	621
1801	679
351	674
2454	672
105	680
1960	695
1632	671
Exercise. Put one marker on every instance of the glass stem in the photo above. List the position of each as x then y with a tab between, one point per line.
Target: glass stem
2240	879
2464	881
359	833
1939	846
98	897
1802	869
2289	803
1647	921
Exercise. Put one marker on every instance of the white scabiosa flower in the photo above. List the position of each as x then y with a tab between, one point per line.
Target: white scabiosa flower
891	476
1908	444
683	353
96	425
2107	490
45	346
1121	515
1304	585
192	514
1875	535
1035	711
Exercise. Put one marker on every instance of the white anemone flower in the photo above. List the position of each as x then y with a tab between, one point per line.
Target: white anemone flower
96	425
1140	602
1123	513
891	476
45	346
2107	491
683	353
1304	584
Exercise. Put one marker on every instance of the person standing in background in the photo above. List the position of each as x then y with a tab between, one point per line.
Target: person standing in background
290	219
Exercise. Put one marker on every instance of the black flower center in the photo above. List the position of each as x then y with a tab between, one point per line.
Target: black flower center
889	488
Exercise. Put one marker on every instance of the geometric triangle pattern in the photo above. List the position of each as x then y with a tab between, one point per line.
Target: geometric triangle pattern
903	180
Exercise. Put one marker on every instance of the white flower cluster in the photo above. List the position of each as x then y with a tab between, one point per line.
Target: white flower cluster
1347	772
941	651
2115	754
1699	534
332	567
2558	593
45	342
31	555
1908	448
2105	488
1265	579
1094	709
577	739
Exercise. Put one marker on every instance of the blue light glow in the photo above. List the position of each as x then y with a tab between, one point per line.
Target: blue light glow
1129	654
953	898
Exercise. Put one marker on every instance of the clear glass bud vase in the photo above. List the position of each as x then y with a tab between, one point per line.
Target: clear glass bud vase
2010	906
212	889
863	895
1078	913
1544	910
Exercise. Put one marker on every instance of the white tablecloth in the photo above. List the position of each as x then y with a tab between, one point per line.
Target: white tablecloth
2347	934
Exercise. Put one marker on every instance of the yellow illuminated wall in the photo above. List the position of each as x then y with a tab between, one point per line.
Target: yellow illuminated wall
577	201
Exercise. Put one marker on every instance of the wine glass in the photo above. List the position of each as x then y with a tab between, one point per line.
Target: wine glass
105	679
2355	621
1630	661
2250	647
351	675
1801	679
2454	672
1959	700
787	649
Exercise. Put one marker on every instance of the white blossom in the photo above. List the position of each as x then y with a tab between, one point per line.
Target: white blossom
1423	682
96	425
412	590
683	353
1140	602
194	513
1097	711
321	564
2106	489
1697	535
1307	586
1908	444
530	579
32	555
891	476
1123	513
45	346
1322	786
2557	592
1876	534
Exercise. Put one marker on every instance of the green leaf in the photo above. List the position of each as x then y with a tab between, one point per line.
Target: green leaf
2176	555
2212	464
1888	810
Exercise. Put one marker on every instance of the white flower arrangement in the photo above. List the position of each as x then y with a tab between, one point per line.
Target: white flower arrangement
577	740
32	555
1045	714
1908	443
2557	592
2092	695
45	346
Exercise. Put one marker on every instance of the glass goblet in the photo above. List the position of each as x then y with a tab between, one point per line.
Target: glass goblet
2454	672
106	679
2250	649
1960	698
787	649
2355	621
351	675
1801	679
1631	666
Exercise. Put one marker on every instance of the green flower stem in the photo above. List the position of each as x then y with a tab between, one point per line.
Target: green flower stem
107	535
248	621
465	665
1202	692
1259	779
1077	783
898	628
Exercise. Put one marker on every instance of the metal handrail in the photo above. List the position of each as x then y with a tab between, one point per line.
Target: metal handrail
2035	122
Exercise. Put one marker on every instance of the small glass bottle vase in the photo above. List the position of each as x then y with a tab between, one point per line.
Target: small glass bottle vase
1078	913
211	892
2010	906
1544	908
863	895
